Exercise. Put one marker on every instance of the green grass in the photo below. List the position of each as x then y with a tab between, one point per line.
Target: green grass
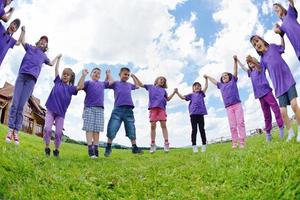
261	171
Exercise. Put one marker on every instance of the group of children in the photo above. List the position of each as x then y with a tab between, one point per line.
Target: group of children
93	114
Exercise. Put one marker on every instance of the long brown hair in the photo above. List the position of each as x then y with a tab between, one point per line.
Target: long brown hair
281	7
252	37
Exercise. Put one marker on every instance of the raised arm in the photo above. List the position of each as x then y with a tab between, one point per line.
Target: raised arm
136	81
235	66
21	39
242	65
80	84
57	66
211	79
277	29
206	85
6	17
54	60
172	95
109	77
282	42
179	95
292	3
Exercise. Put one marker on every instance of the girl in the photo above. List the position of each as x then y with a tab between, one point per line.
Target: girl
263	92
281	77
58	103
232	102
197	111
5	16
158	98
28	74
6	39
289	25
93	114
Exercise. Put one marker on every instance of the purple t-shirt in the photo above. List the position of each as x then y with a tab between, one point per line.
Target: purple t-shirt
260	83
230	92
122	93
279	71
60	97
2	6
157	96
197	104
94	93
6	42
291	27
33	61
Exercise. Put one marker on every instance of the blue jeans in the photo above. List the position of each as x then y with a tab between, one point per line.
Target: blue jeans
23	89
121	114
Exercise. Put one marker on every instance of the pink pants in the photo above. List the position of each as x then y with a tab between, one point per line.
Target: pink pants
235	115
50	118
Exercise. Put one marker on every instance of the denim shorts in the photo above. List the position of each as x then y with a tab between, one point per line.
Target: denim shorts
285	99
121	114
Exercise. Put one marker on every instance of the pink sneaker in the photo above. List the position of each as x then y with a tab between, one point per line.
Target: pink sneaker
234	146
9	137
16	138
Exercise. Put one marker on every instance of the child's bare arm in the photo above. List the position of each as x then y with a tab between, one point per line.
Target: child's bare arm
109	77
282	42
206	85
235	66
292	3
6	17
242	65
21	39
57	66
137	81
80	84
277	29
172	95
180	95
54	60
211	79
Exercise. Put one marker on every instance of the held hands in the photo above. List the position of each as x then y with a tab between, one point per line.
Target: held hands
12	9
235	58
107	72
205	76
23	28
277	29
85	72
175	90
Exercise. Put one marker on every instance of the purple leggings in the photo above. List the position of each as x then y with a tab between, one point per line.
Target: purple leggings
59	124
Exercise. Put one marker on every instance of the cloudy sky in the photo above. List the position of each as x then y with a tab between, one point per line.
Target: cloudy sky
179	39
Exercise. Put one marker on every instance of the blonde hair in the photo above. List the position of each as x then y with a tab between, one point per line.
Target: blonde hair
161	77
251	59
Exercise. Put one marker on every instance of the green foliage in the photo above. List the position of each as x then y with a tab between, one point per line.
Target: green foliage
260	171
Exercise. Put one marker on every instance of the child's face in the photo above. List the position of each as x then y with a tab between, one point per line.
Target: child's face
225	77
161	82
197	88
12	28
42	44
124	75
278	10
251	65
96	74
258	44
66	75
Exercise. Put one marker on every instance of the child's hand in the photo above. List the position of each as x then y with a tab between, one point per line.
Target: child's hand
277	28
248	58
205	76
23	28
12	9
235	58
107	72
85	72
176	90
59	56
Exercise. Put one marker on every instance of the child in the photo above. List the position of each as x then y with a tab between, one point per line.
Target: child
232	102
58	103
6	39
158	98
197	110
289	25
281	77
263	92
93	114
5	16
122	112
28	74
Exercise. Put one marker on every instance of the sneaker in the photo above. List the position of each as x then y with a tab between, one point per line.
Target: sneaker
298	137
203	148
195	149
152	148
268	137
16	138
47	151
290	136
9	137
136	150
242	146
91	151
107	151
56	153
96	151
234	146
166	147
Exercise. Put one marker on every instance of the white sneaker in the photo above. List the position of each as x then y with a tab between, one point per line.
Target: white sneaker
290	136
203	148
195	149
152	148
167	147
298	137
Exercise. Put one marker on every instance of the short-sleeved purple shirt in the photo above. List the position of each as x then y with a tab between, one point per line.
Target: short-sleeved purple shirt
291	27
229	91
260	83
6	42
33	61
278	69
197	104
94	93
60	97
122	93
157	96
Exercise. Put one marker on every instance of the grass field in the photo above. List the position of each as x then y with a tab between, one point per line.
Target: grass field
261	171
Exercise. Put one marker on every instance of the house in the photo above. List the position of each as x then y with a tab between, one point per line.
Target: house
34	113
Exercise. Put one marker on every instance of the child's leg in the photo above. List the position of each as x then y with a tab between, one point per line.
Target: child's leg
153	132
267	113
49	119
202	130
276	110
296	110
285	117
96	136
59	125
163	125
239	115
89	138
233	125
114	124
194	130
